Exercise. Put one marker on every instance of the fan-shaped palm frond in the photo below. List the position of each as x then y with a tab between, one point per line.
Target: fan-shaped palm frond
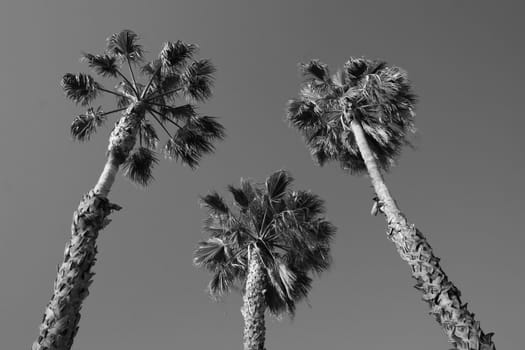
198	79
377	95
195	139
211	253
81	88
102	64
138	167
85	125
277	184
188	147
174	55
283	227
123	45
207	126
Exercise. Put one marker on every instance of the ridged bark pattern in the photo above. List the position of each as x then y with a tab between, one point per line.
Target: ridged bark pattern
60	322
442	296
254	305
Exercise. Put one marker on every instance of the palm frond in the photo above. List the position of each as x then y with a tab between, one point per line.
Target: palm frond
188	145
222	282
355	68
310	204
102	64
81	88
210	254
208	127
240	198
174	55
302	114
85	125
277	184
315	69
139	165
123	45
198	80
149	135
215	204
183	112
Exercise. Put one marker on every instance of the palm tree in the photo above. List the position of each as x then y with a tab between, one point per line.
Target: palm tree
269	245
173	74
362	117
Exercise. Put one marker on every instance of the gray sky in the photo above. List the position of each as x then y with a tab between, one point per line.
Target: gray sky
462	185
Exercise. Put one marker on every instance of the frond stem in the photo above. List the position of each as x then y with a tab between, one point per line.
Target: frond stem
167	107
126	80
162	94
113	111
111	92
162	125
132	77
150	82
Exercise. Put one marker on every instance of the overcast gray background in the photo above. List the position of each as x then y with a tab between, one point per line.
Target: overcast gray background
462	185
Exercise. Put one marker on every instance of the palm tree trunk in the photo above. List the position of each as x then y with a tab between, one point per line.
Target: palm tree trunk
62	315
443	296
254	304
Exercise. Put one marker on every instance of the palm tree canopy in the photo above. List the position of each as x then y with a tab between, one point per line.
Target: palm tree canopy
174	74
378	95
286	228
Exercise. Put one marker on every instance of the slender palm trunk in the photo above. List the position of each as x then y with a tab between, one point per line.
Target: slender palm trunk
62	315
254	304
443	296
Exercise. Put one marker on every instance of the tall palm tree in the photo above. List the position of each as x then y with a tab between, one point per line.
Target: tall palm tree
269	245
361	117
173	74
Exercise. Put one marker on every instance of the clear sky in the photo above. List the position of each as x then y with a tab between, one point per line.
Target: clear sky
462	184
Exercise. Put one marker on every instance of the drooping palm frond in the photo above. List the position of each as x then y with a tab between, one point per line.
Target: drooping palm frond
123	45
198	80
379	96
207	126
81	88
188	147
85	125
215	204
181	113
222	281
102	64
290	247
174	55
138	167
193	140
148	135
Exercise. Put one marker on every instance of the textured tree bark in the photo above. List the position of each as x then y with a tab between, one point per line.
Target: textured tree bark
254	304
442	296
62	315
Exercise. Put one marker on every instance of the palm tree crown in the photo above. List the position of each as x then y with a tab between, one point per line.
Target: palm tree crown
284	228
377	95
173	74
